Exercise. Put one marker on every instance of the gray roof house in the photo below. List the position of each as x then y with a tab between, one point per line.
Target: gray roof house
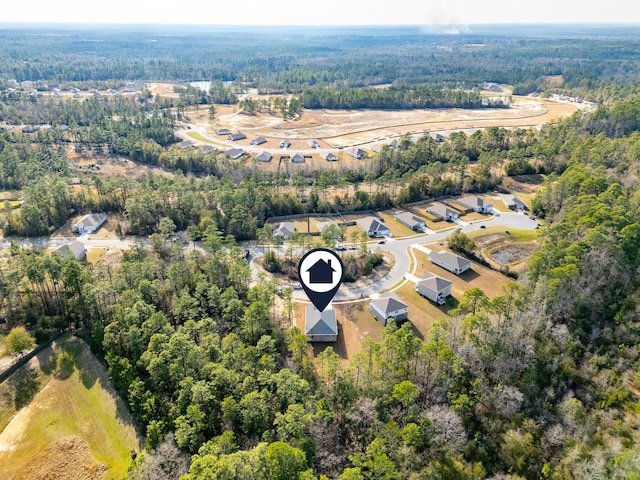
297	158
283	229
234	153
207	149
186	144
234	137
313	143
472	202
329	156
435	288
373	226
264	157
449	261
322	225
410	220
89	223
74	249
320	326
223	131
512	202
285	143
437	137
385	308
357	153
258	141
442	211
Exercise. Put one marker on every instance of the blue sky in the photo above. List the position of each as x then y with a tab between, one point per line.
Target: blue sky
326	12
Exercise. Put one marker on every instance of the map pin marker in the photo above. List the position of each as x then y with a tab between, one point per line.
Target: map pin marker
320	273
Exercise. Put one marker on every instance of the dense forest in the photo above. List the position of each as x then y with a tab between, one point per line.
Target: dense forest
603	68
541	382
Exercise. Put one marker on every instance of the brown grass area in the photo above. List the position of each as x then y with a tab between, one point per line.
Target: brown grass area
422	312
398	230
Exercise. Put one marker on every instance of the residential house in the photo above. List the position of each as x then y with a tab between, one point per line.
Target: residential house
320	326
74	249
285	143
357	153
264	157
329	156
234	137
449	261
475	203
437	137
410	220
442	211
207	149
297	158
89	223
223	131
373	226
234	153
258	141
512	202
283	230
313	143
435	288
186	144
385	308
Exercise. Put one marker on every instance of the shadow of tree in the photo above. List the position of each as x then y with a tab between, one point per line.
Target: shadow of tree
25	387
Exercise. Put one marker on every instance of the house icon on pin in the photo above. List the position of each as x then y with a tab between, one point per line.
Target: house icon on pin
321	272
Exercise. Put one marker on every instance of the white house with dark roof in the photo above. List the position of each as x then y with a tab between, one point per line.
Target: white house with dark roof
297	158
436	136
357	153
283	230
264	157
313	143
449	261
320	326
234	153
329	156
89	223
442	211
512	202
373	226
234	137
75	249
284	143
410	220
435	288
475	203
258	141
384	308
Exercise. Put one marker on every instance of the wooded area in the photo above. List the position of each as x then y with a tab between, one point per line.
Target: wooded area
542	381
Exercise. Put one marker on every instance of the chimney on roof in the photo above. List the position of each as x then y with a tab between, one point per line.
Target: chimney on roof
329	262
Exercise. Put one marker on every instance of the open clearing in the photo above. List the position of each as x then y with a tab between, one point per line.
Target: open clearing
70	424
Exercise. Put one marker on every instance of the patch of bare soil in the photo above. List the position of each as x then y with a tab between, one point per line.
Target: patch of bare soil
512	254
68	458
504	252
528	184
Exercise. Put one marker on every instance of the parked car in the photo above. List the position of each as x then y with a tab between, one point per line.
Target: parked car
381	242
483	226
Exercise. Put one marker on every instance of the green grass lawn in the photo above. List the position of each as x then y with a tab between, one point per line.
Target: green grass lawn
200	138
515	235
68	395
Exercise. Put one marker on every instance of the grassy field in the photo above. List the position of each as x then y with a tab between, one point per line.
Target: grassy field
200	138
515	235
70	423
